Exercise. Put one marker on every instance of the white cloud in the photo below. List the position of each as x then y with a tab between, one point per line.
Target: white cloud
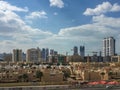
6	6
37	14
115	7
16	34
93	34
57	3
101	26
108	22
102	8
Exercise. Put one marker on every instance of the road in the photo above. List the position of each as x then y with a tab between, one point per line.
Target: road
51	87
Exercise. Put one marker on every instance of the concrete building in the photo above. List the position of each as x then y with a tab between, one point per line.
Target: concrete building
75	50
33	55
108	46
82	51
43	55
17	55
52	75
7	57
91	75
115	58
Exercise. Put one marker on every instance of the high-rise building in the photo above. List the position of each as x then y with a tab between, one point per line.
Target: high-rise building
108	46
51	52
43	54
33	55
17	55
47	54
82	51
75	50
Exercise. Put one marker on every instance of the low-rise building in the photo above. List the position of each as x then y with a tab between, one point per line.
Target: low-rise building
50	75
115	58
89	75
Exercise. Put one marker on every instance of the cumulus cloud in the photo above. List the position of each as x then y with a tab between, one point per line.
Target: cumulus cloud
6	6
102	8
93	34
107	22
37	14
16	33
101	26
57	3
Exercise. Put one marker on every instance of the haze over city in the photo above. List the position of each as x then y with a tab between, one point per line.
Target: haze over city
58	24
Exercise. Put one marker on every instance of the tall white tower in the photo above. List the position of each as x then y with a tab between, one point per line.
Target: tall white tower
108	46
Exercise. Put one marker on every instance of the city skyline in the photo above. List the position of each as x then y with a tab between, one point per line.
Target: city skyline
58	24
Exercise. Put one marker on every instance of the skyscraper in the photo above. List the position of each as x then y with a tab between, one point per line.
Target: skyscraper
17	55
108	46
43	54
82	51
47	54
75	50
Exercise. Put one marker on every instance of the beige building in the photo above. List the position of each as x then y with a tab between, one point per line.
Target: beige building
91	75
8	76
33	55
115	58
17	55
50	75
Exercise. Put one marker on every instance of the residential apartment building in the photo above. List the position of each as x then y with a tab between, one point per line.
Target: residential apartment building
33	55
17	55
108	46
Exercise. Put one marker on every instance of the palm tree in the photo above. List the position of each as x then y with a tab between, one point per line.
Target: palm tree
39	74
102	74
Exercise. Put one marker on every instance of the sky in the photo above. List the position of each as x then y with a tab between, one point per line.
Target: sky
58	24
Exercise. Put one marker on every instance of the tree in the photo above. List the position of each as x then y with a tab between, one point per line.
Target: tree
110	73
25	77
102	74
19	78
66	74
39	74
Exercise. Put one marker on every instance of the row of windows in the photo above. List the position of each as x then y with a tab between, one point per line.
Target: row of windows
4	77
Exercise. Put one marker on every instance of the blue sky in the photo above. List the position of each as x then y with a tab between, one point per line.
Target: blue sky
58	24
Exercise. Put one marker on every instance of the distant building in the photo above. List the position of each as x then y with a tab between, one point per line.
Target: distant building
115	58
51	52
82	51
17	55
55	53
47	54
33	55
7	57
62	59
53	56
75	50
23	56
108	46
